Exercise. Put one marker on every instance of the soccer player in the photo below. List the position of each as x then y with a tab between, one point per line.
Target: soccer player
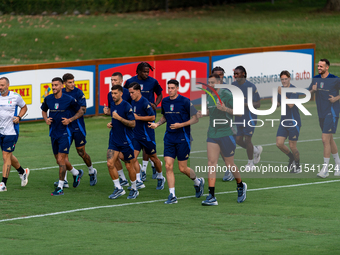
217	70
117	79
291	128
121	136
244	130
77	127
149	87
61	108
221	140
326	87
9	132
144	137
176	113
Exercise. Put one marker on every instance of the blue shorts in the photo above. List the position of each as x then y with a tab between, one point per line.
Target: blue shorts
126	149
292	132
329	124
179	150
61	144
247	130
8	142
148	146
79	138
227	145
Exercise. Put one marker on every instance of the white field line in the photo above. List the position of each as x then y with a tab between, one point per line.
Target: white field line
192	152
159	200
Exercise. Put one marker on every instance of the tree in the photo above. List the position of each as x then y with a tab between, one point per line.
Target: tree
333	5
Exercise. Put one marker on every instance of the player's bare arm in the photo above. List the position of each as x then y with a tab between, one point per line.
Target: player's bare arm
80	113
128	123
314	88
155	125
257	104
109	125
46	119
192	121
22	112
224	108
158	100
333	99
145	118
106	110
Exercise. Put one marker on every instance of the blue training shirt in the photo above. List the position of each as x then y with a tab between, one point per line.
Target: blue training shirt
62	107
291	113
78	94
141	130
149	87
256	97
178	110
326	87
120	133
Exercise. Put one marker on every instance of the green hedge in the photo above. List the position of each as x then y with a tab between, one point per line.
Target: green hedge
100	6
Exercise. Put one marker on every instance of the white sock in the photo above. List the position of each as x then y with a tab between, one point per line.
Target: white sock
145	165
61	184
91	169
336	158
325	163
256	151
251	161
138	177
133	185
65	179
160	175
152	164
74	172
172	191
196	182
122	175
117	183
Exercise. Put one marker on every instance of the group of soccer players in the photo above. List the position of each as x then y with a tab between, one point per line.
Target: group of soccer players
132	110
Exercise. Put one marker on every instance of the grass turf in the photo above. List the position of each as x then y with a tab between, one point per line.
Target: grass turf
294	220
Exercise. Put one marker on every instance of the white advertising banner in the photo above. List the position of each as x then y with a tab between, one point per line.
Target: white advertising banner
35	85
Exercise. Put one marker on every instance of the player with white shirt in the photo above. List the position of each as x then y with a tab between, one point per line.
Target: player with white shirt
9	131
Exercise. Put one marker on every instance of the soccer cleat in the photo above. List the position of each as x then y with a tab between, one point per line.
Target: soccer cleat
200	188
154	172
123	182
228	176
3	187
139	185
76	179
291	164
242	193
171	200
160	183
57	192
133	194
24	177
93	178
249	168
210	200
257	157
65	184
142	175
323	173
296	169
117	193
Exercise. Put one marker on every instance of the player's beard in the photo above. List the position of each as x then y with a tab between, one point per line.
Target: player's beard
4	92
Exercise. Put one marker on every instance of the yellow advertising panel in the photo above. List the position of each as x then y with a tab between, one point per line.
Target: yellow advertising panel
45	90
25	91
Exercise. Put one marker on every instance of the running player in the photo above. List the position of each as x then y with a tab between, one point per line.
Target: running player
77	128
244	130
221	141
144	137
61	108
149	87
326	87
292	126
121	136
9	132
176	112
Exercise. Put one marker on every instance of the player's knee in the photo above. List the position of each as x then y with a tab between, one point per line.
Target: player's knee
238	140
279	144
168	167
110	164
81	152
